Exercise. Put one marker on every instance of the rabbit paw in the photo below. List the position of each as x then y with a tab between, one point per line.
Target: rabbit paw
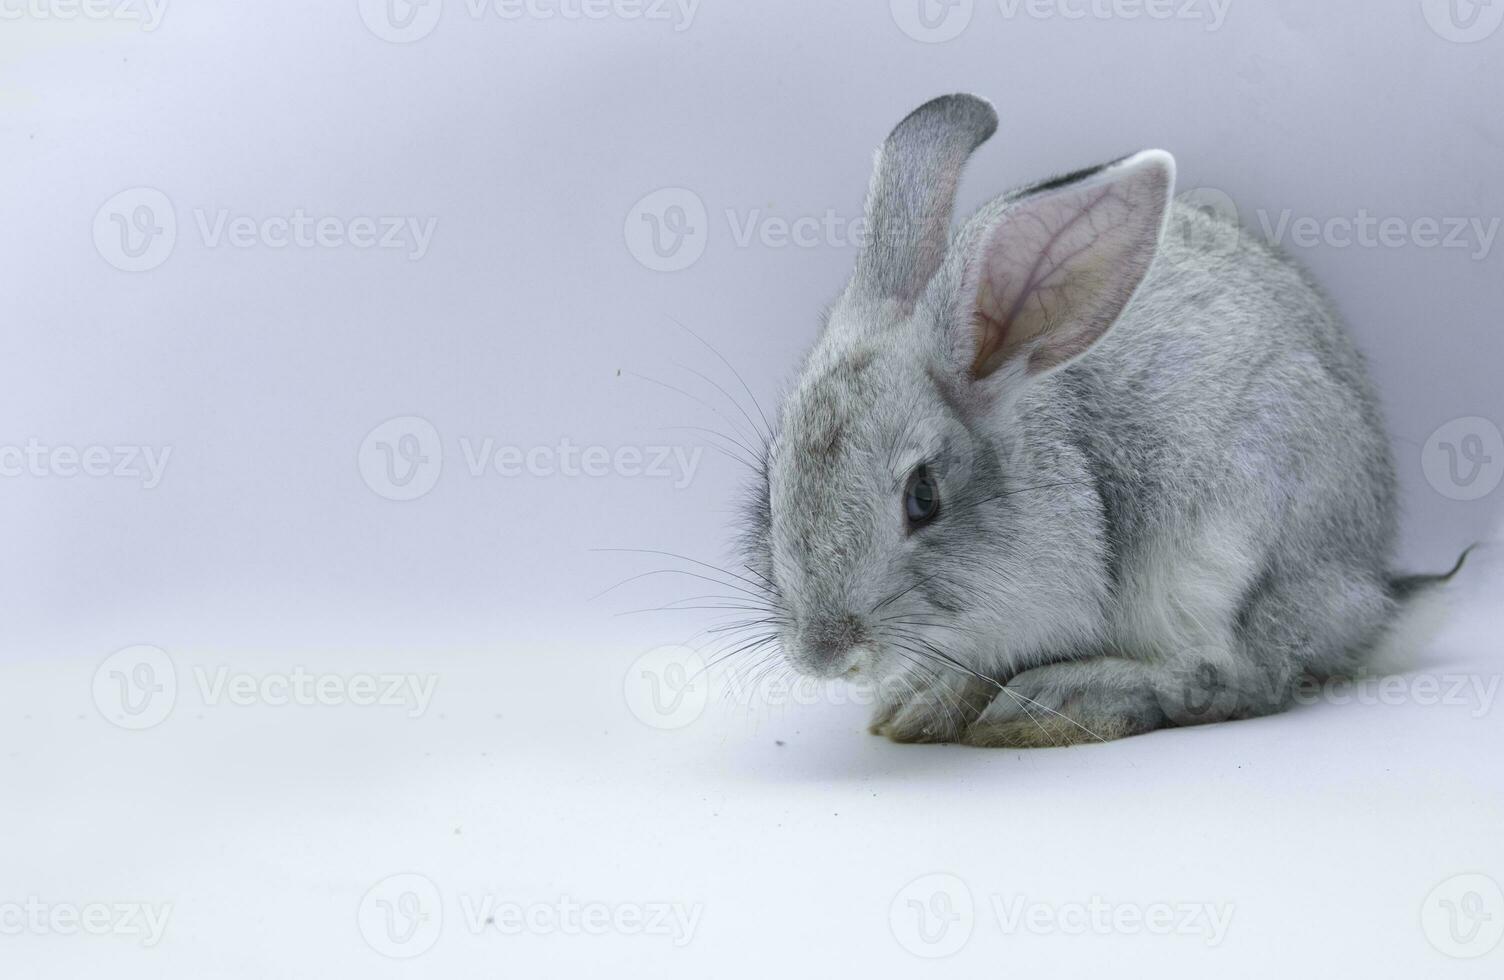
939	710
1066	704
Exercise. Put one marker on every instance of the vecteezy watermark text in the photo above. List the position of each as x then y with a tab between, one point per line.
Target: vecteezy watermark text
147	13
1473	691
938	21
1207	921
674	921
1367	230
402	916
1224	233
406	21
674	463
409	234
670	687
136	230
669	229
145	921
402	459
934	916
300	686
1212	13
147	464
137	688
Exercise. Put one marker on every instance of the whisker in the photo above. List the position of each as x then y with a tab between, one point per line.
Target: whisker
729	454
1047	486
899	595
653	609
914	622
734	372
664	384
677	557
725	394
673	571
955	711
753	458
1017	696
1020	697
747	647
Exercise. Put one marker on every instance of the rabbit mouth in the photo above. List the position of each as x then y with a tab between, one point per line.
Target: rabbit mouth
832	648
847	667
851	663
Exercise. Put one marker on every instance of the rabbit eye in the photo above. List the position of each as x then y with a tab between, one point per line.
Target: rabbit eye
921	499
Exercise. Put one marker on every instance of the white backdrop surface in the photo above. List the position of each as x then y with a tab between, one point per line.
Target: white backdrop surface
340	336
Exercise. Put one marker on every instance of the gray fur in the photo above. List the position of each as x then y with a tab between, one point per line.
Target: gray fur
1170	529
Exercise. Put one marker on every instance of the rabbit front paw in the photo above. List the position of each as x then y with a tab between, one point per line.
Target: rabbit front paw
1067	704
939	709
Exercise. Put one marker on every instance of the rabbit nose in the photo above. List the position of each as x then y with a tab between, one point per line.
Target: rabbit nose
832	647
836	633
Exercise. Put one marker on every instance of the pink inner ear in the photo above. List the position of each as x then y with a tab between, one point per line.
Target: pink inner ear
1057	267
1006	289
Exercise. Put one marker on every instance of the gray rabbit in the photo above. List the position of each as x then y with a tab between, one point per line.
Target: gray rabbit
1095	465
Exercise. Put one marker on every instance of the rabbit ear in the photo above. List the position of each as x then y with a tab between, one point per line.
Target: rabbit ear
1058	266
912	194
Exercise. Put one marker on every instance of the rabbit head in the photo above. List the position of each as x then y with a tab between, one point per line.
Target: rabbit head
892	514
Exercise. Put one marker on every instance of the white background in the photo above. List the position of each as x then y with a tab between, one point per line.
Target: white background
530	146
